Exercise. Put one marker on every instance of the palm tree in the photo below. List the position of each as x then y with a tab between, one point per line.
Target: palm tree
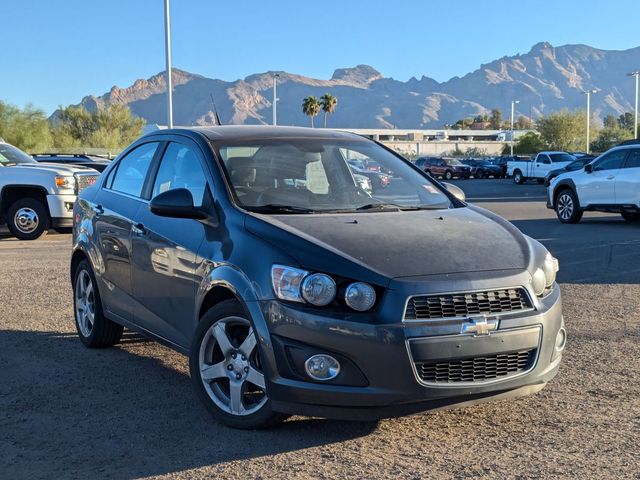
311	107
328	103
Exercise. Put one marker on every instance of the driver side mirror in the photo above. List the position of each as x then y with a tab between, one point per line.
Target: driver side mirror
588	168
176	203
455	191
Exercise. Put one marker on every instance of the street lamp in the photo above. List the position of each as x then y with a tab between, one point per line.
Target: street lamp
635	123
588	94
167	50
275	98
513	112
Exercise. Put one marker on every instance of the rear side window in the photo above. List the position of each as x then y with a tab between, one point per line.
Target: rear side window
633	160
181	168
610	161
132	170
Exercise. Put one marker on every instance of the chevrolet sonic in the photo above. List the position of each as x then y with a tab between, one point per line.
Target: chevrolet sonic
293	290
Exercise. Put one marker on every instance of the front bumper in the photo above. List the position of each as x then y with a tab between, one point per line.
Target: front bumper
61	209
381	353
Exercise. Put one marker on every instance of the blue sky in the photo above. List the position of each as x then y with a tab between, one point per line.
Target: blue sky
55	52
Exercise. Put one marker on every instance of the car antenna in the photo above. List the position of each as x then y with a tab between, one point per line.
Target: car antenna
215	110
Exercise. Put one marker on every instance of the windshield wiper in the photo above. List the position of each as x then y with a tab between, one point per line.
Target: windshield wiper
277	208
379	206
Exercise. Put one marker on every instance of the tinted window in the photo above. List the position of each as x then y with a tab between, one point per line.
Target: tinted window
10	155
544	159
181	168
610	161
132	170
633	160
561	157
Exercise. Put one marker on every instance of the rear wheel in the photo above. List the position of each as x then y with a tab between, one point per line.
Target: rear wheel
567	207
518	178
448	175
631	216
226	370
28	219
94	329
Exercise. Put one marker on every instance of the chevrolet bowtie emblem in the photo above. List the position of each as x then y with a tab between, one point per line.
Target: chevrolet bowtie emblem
479	326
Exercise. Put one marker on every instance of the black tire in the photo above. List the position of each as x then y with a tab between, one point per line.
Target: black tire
265	416
631	216
567	207
22	215
518	178
448	175
103	332
540	181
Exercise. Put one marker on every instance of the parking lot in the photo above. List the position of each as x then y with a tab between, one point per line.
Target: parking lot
129	412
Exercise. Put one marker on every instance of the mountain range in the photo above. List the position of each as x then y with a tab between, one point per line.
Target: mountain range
544	80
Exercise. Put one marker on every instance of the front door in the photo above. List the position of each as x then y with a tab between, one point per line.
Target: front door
115	207
164	250
599	186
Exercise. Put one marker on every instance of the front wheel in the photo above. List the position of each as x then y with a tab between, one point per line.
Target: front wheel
631	216
226	369
28	219
448	175
567	208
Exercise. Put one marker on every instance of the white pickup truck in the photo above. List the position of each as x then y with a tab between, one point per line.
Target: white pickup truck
37	196
538	167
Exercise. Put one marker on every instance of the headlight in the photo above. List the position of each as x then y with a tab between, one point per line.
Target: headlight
319	289
538	282
550	267
287	281
360	296
66	183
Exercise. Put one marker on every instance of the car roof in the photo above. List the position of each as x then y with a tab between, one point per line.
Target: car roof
231	133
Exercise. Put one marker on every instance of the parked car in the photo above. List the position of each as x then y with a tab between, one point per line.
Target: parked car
320	299
483	168
377	178
502	163
538	167
577	164
37	196
90	161
446	168
610	183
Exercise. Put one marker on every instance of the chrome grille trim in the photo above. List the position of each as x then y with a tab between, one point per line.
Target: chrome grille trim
84	180
460	305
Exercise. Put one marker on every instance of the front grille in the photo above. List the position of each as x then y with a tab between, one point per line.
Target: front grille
452	305
85	181
477	369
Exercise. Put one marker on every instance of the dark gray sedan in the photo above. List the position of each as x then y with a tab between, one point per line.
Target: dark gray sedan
293	290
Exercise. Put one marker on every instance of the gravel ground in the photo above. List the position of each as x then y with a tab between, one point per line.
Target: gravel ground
129	411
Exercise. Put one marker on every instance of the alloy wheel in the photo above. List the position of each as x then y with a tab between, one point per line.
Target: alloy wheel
85	303
565	206
230	368
26	220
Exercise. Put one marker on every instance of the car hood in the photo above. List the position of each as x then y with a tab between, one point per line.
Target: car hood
56	168
398	244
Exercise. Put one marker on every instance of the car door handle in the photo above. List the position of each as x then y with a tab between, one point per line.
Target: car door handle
138	229
611	177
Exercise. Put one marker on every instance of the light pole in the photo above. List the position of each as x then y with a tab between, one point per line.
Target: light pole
275	97
588	94
635	123
513	113
167	49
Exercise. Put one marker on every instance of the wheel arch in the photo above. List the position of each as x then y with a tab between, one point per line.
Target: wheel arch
12	193
565	184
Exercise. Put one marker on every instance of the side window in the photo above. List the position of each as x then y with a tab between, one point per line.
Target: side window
633	160
132	170
181	168
610	161
544	159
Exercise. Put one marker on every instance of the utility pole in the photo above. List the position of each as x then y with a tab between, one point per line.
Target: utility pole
635	123
275	98
513	113
588	94
167	49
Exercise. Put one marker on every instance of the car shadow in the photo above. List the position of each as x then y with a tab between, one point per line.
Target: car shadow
135	415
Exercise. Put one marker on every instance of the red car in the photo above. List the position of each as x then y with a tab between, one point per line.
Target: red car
446	168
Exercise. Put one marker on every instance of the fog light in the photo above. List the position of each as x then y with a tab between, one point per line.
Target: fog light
360	296
322	367
561	339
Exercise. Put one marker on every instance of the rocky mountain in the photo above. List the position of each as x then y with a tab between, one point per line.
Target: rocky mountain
545	79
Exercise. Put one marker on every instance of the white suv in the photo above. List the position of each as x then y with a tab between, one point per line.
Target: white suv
610	183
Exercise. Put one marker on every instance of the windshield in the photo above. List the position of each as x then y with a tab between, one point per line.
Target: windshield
577	165
10	155
321	175
561	157
452	161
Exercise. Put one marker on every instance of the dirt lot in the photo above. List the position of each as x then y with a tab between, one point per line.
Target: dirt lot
129	412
